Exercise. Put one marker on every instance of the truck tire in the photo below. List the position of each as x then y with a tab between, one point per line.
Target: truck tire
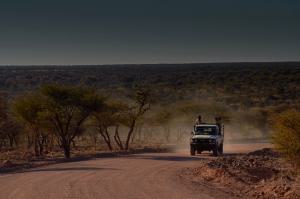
193	151
216	151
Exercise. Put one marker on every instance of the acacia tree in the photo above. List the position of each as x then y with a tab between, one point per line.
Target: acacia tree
10	131
27	110
106	118
67	108
132	114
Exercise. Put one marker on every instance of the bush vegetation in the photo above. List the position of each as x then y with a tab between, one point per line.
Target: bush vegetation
286	136
57	115
46	107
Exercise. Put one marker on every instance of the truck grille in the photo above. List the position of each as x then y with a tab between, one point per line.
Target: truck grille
204	141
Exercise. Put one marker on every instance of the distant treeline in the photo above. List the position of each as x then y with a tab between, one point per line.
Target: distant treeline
236	84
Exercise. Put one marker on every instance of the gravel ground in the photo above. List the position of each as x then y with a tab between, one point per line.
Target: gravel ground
258	174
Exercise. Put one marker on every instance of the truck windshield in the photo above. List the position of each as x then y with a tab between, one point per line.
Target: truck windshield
205	130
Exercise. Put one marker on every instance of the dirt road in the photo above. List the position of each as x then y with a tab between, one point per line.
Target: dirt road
134	176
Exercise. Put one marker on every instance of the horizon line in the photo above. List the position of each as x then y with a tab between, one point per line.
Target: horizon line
163	63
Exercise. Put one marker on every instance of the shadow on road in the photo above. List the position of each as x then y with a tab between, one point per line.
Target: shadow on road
166	158
20	168
68	169
182	158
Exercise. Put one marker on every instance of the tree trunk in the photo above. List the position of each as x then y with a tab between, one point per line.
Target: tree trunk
106	137
108	140
67	151
109	146
129	134
117	138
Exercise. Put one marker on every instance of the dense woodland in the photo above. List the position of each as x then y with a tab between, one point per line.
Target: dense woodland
246	95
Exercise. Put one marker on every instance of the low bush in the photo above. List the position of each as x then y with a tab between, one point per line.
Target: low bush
286	137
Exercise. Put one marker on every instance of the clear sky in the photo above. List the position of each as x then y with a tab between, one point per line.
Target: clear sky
148	31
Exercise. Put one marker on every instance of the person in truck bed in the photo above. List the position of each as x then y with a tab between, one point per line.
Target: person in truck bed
198	120
218	120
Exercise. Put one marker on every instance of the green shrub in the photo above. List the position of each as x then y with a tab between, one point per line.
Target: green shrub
286	136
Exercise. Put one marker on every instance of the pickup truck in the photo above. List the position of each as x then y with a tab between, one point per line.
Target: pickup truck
207	137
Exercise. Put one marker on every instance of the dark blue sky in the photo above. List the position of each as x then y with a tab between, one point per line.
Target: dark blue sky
153	31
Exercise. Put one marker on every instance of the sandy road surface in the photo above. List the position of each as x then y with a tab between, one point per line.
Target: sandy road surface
135	176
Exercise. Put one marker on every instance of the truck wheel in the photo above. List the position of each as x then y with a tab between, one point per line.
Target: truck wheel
221	149
215	151
192	150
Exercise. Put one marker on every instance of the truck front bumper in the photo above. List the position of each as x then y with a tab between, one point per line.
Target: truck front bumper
203	146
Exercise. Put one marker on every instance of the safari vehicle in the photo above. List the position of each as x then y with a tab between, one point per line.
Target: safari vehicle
207	137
